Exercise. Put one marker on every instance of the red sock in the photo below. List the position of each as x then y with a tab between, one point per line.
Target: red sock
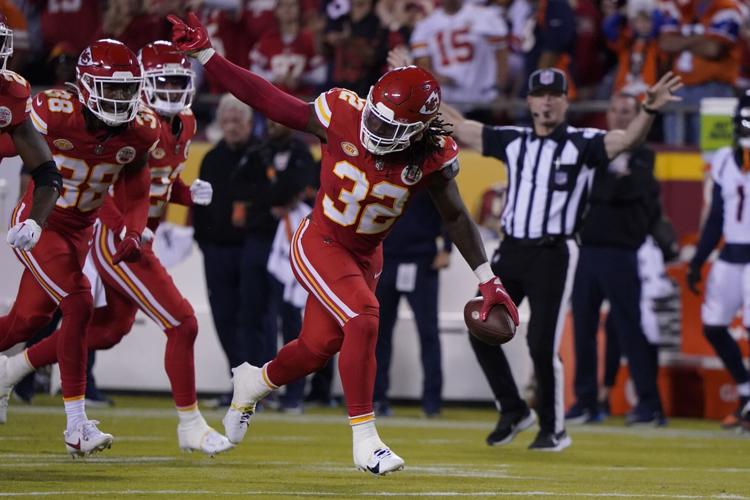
44	352
71	342
357	363
178	361
294	361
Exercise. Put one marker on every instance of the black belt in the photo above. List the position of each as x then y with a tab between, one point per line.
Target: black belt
549	240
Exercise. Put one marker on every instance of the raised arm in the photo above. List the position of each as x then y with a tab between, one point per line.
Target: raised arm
275	104
661	93
467	132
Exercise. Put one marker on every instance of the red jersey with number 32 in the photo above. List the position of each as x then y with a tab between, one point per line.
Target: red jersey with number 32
15	100
362	195
167	161
89	163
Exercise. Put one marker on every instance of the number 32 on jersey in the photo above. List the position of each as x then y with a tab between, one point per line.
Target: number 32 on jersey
375	217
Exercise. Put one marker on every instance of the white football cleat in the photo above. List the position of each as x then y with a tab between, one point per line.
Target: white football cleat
5	387
376	458
201	437
249	388
87	439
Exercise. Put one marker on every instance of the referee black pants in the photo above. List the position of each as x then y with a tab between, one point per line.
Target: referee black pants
544	275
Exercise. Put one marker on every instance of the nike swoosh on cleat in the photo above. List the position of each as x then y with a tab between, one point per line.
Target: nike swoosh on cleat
76	446
374	470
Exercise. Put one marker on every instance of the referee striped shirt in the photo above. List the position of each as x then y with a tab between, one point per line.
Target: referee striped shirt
549	178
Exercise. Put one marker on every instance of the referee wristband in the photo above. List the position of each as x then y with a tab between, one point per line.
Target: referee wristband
484	272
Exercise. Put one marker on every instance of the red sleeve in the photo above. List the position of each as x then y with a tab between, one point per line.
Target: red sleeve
260	94
111	215
181	193
7	148
132	196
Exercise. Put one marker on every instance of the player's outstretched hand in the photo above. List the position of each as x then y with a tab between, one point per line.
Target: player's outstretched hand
662	92
24	235
399	57
201	192
190	36
129	248
693	279
493	293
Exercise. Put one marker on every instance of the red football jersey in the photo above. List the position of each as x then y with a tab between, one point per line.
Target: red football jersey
166	162
77	22
15	100
89	163
362	195
274	59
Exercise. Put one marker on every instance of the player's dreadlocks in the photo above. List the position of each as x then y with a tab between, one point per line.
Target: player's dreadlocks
431	142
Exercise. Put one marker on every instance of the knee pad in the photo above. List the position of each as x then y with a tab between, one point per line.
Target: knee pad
78	307
323	352
364	325
187	330
366	302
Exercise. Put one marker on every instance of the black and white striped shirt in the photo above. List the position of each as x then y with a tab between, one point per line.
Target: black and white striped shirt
549	178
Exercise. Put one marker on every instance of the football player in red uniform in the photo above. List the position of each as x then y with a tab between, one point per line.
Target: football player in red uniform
145	284
375	153
18	136
100	136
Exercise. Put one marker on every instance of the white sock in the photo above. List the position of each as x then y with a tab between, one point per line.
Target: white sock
189	415
75	410
742	389
363	431
18	367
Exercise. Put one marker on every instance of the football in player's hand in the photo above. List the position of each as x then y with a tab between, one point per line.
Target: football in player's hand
497	329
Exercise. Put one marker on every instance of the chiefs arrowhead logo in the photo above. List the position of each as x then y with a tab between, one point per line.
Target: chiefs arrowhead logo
431	105
85	58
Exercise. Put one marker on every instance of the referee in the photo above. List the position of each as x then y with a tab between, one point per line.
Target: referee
550	169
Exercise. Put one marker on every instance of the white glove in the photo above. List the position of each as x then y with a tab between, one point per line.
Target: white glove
201	192
24	235
147	236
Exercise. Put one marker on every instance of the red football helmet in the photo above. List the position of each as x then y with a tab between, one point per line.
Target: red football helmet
399	106
109	81
169	81
6	41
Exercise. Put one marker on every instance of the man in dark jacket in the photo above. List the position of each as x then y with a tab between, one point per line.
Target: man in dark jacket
624	208
219	239
269	181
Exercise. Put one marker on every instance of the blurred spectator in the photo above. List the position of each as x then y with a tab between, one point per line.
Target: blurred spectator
402	16
287	57
219	239
517	15
78	22
464	46
702	37
491	207
412	259
358	44
553	41
62	62
15	20
269	182
139	22
635	42
588	69
624	207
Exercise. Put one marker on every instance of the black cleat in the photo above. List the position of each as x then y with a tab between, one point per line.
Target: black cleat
510	424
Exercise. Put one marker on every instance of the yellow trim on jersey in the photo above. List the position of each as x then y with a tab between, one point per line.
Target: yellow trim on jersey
323	111
39	124
73	398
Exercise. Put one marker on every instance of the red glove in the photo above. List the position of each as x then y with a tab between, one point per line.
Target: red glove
191	36
493	293
129	248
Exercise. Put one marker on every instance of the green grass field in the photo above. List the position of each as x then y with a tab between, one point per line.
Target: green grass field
310	456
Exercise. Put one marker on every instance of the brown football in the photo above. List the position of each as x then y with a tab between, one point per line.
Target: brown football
499	327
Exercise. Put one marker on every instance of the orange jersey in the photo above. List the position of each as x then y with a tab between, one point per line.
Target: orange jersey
638	63
719	20
167	160
362	195
89	163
